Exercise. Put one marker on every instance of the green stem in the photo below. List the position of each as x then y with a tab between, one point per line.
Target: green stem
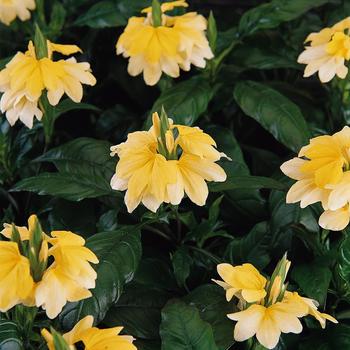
204	252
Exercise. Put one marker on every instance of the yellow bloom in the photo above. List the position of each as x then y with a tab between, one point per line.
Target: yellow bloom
267	323
92	337
323	176
25	78
244	280
153	170
328	51
10	9
73	258
311	307
266	314
178	42
15	278
57	288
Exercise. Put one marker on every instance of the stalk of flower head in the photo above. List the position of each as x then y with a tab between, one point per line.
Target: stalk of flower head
156	13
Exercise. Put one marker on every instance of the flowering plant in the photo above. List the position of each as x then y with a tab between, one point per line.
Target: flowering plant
151	147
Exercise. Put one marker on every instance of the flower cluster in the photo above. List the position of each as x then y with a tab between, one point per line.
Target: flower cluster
165	162
266	308
161	43
10	9
92	337
328	51
322	174
42	270
27	75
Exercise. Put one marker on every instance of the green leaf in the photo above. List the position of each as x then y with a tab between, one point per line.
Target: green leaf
182	262
344	262
213	308
272	14
85	169
185	102
58	17
68	105
246	182
63	185
253	247
183	329
101	15
119	253
9	336
313	279
138	310
275	112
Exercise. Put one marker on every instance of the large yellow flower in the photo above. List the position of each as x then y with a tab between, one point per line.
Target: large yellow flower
25	78
10	9
322	174
16	282
156	168
267	309
92	337
68	278
328	51
178	42
242	281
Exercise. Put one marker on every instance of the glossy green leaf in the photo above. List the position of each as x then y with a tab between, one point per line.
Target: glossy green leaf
275	112
9	336
119	253
272	14
102	14
182	262
213	308
252	248
185	102
183	329
313	280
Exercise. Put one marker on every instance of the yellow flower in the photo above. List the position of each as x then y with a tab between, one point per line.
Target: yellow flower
323	175
267	323
10	9
328	51
311	307
268	313
92	337
73	258
25	78
153	170
244	280
56	288
178	42
15	279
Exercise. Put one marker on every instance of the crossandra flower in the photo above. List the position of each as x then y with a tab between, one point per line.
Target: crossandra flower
162	164
68	277
244	280
26	78
322	174
278	311
177	42
328	52
10	9
93	338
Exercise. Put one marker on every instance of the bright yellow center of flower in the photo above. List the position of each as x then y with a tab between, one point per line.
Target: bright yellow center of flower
339	45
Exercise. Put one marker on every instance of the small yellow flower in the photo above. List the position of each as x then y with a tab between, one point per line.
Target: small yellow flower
25	78
244	280
156	168
328	51
15	279
270	310
93	338
177	43
322	174
10	9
